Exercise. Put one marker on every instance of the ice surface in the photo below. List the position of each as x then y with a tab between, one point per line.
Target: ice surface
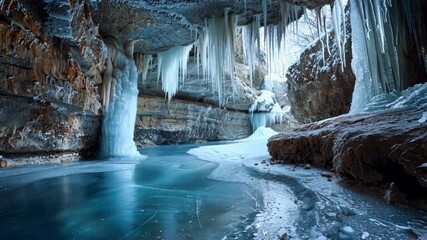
172	195
166	196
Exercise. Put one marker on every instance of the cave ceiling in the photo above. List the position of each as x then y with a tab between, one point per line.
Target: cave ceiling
155	24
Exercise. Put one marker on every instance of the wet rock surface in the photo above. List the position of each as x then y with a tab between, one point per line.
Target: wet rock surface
376	149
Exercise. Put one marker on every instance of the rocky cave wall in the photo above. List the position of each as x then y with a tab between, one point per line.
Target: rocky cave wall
49	103
194	114
52	56
319	90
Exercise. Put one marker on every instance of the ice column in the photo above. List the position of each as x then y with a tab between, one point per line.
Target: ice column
120	96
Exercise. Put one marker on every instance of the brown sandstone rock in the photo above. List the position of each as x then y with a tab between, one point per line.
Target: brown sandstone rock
372	148
318	90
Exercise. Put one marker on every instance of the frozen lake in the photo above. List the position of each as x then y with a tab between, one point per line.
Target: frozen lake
165	196
174	195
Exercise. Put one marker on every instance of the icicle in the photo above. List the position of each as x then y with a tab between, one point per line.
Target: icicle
338	19
377	55
264	14
142	64
319	27
217	51
172	66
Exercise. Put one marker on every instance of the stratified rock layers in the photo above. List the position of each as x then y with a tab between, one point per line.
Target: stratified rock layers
373	148
34	127
179	121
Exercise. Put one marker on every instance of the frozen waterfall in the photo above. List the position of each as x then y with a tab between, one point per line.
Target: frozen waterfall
120	96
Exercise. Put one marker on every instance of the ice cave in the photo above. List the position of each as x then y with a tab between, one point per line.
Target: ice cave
213	119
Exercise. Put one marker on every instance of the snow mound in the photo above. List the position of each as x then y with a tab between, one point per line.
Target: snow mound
260	134
253	147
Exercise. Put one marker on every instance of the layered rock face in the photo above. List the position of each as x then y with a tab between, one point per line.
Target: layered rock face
193	114
198	89
31	127
44	116
49	96
372	148
180	121
318	90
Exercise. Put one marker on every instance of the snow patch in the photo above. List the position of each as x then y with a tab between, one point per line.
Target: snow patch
423	119
255	146
264	102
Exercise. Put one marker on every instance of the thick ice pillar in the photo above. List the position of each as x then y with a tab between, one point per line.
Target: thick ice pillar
120	95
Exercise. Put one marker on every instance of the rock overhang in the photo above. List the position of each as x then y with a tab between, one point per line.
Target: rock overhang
156	25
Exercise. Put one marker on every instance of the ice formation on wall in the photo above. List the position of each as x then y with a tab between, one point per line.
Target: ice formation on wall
268	119
380	35
120	94
216	51
274	43
143	62
265	111
412	97
172	67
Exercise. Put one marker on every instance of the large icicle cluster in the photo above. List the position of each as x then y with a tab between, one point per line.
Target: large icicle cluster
274	42
380	35
172	66
215	51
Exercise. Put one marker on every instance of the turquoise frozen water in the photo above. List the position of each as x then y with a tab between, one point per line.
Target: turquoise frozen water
169	195
165	196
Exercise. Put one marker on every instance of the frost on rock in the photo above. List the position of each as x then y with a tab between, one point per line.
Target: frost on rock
263	103
423	119
379	36
120	93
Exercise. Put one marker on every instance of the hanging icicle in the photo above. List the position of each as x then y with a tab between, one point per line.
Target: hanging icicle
379	43
143	62
216	51
172	67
